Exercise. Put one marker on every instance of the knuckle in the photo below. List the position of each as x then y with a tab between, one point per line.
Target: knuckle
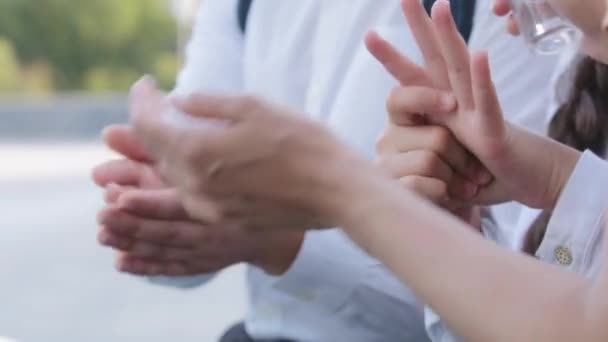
382	142
386	140
440	138
393	101
410	182
428	163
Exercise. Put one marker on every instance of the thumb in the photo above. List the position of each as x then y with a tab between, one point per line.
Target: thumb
146	106
121	139
218	107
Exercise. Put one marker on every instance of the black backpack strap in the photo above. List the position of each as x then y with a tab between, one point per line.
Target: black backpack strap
243	13
464	13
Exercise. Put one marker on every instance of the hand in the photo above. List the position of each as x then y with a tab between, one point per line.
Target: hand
135	169
426	157
264	154
428	160
147	224
154	236
509	152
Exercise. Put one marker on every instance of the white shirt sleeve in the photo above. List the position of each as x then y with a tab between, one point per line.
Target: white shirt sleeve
214	55
333	274
214	59
318	276
573	238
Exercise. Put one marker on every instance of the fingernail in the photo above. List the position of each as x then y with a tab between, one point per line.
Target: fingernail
106	239
482	176
124	203
469	190
144	84
114	188
113	192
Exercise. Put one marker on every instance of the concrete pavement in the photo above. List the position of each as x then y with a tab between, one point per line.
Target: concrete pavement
57	284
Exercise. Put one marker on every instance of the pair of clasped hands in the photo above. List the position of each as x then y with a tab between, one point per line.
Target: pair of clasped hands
197	198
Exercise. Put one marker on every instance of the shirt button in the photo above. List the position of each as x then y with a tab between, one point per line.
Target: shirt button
563	255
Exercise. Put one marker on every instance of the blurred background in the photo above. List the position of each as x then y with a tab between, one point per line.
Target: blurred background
65	68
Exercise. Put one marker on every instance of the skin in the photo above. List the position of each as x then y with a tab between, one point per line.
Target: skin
265	153
145	222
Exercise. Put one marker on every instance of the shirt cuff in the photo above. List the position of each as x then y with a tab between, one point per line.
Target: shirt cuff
328	268
577	218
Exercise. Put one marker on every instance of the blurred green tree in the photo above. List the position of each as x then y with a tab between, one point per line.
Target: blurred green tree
10	74
95	44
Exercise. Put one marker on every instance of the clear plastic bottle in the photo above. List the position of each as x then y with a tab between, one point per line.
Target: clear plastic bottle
542	27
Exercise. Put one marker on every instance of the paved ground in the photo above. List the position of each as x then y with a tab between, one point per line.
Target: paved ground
56	284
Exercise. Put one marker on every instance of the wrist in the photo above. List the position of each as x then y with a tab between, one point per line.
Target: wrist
348	186
278	251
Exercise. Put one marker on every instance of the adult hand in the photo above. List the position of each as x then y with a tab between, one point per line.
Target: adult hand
145	221
155	236
262	154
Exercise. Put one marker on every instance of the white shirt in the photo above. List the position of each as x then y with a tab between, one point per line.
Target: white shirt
310	55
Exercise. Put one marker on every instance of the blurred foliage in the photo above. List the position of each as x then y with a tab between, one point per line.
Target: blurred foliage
85	44
10	70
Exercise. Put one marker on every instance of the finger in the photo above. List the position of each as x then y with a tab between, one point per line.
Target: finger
416	163
426	37
405	102
501	7
174	233
462	189
159	252
439	140
121	172
456	54
121	139
138	266
489	119
430	188
399	66
151	267
142	266
162	204
113	191
222	107
107	238
146	105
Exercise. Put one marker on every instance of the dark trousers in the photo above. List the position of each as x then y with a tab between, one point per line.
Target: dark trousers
237	333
